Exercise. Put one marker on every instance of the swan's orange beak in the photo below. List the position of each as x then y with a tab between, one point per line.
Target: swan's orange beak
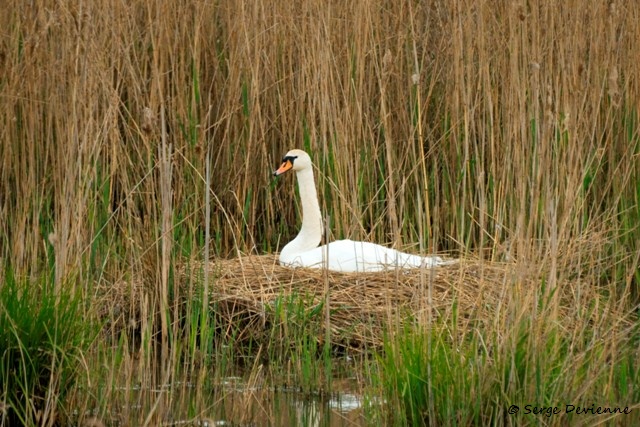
286	165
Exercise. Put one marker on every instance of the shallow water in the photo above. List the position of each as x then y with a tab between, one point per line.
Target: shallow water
282	407
232	401
287	408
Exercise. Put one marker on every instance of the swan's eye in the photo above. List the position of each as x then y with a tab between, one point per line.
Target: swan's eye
289	159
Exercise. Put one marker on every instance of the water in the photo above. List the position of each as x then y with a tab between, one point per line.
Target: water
284	407
231	401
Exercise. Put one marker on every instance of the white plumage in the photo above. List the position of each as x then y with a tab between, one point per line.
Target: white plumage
341	255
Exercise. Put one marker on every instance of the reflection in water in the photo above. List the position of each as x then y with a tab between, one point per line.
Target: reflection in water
274	407
345	402
229	401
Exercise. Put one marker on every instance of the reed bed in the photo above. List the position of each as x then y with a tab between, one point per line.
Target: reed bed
137	141
464	126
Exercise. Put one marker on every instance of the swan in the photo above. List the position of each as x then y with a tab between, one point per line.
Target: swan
341	255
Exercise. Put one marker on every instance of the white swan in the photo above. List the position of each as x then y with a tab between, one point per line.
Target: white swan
341	255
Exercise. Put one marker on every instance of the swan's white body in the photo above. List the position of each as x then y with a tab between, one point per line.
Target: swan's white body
341	255
350	256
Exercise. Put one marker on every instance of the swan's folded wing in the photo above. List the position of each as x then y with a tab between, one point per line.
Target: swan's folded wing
352	256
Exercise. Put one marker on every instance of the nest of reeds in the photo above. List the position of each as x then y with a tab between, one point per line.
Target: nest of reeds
248	293
253	296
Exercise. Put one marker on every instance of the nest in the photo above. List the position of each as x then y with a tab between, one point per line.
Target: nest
246	291
253	296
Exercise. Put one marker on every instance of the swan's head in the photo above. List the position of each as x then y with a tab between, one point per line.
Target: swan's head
295	160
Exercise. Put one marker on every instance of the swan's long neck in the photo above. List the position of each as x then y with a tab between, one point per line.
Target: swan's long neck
310	233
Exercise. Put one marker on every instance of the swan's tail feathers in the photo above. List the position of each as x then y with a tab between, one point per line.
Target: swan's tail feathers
431	261
449	262
436	261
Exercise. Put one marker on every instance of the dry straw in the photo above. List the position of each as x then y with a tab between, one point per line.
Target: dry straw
468	296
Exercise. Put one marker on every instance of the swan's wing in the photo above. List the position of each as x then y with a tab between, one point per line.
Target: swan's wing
341	255
352	256
391	258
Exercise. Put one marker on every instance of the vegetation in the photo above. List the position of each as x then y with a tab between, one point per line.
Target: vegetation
42	339
532	371
137	139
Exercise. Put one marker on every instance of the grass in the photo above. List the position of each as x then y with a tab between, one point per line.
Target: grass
44	341
432	377
141	138
294	339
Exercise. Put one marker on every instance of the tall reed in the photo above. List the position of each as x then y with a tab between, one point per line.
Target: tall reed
526	116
